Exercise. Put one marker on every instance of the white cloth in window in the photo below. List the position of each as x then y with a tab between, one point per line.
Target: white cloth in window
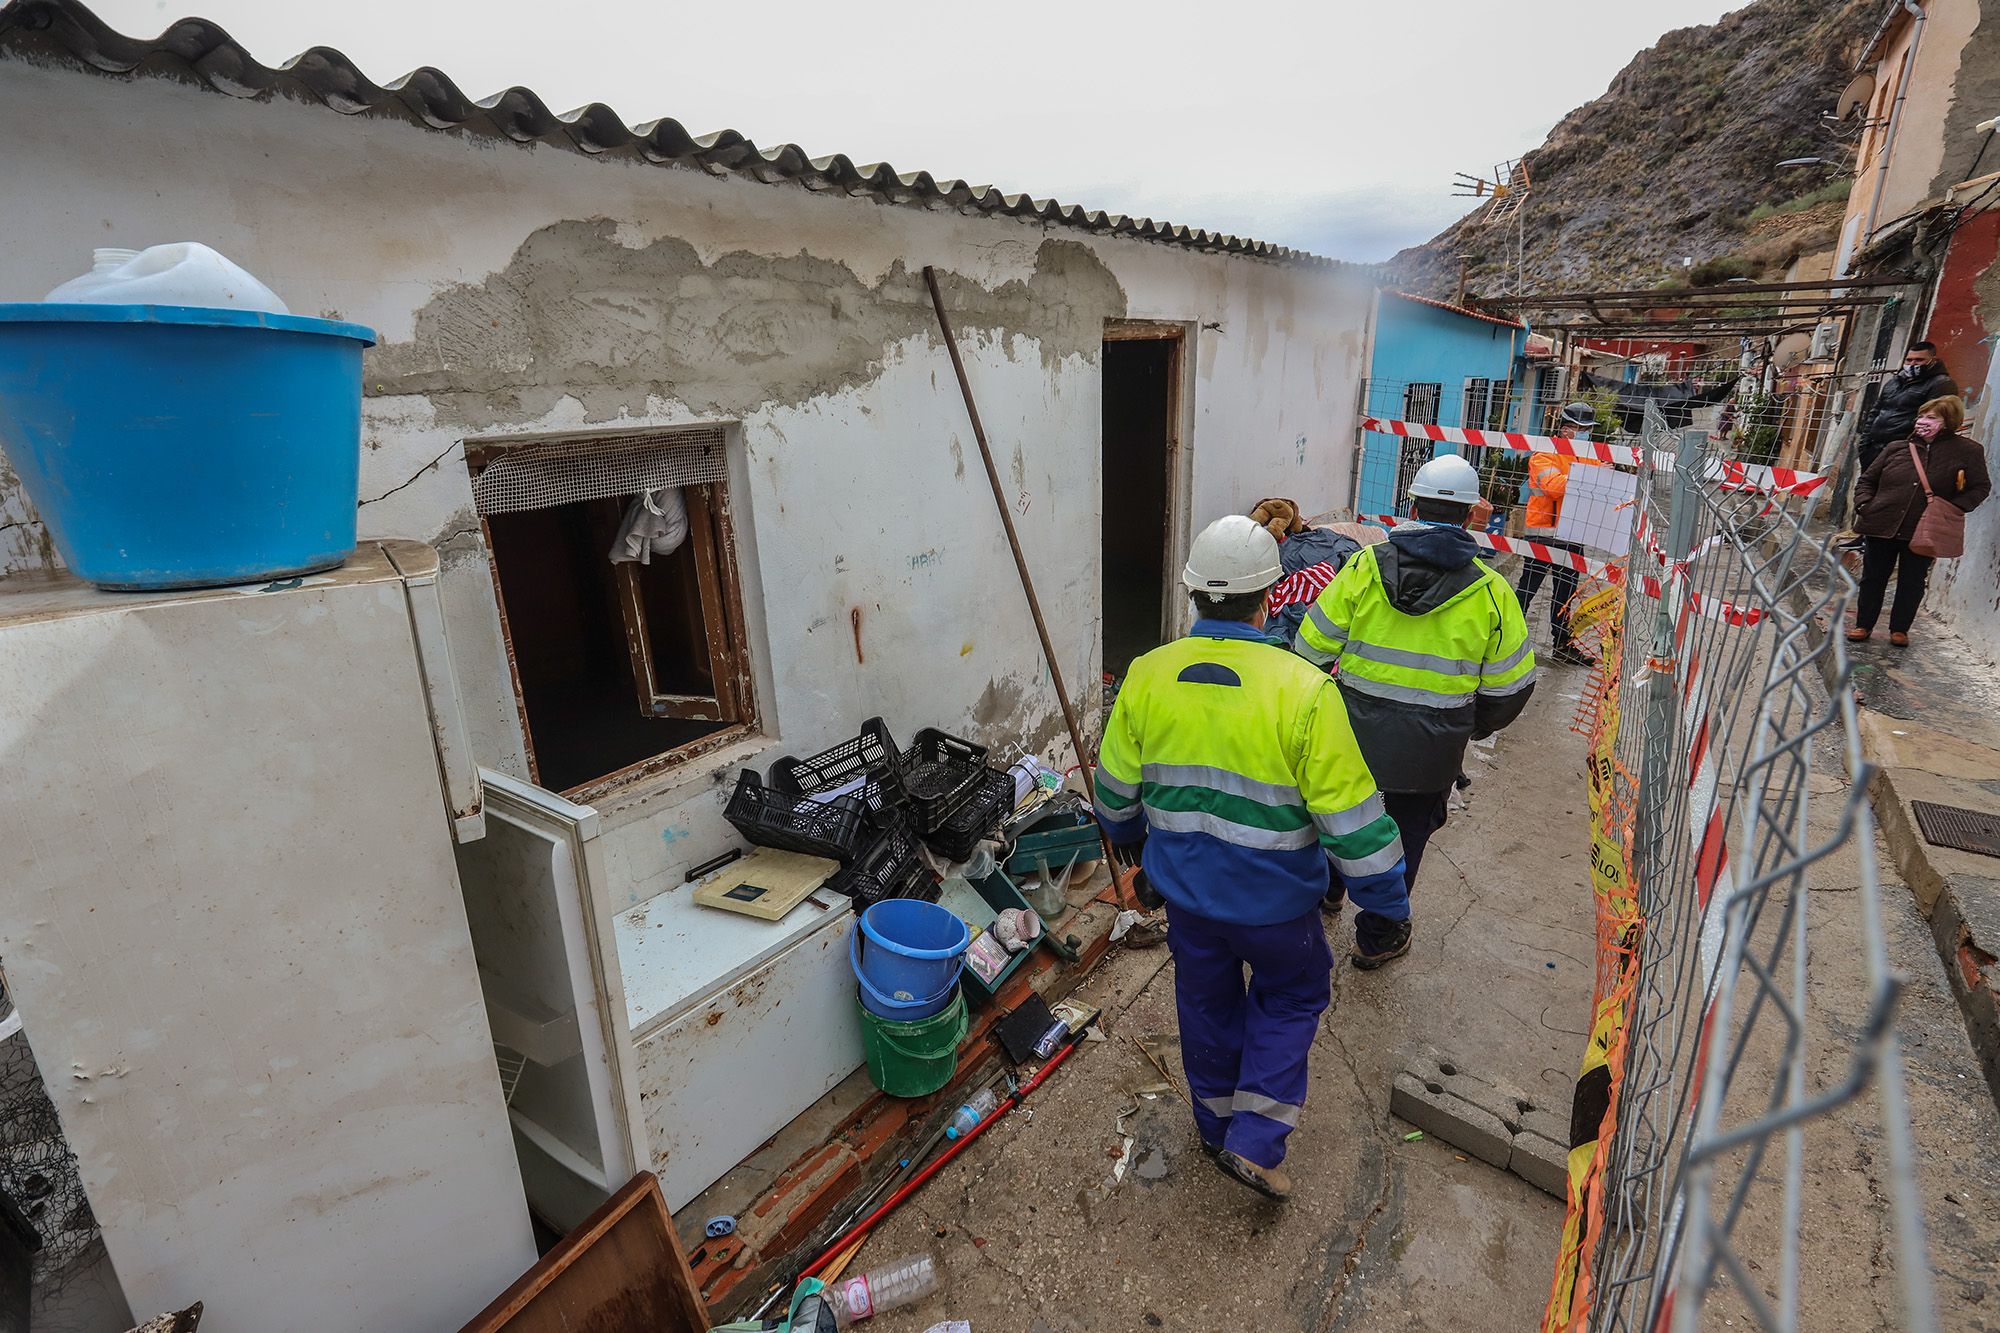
655	523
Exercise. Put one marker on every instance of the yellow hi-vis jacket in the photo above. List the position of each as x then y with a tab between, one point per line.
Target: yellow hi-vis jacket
1431	651
1234	760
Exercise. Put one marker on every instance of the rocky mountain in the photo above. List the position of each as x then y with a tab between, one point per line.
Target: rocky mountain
1677	158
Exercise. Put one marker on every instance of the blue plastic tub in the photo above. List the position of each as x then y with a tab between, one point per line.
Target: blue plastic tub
178	447
913	951
903	1008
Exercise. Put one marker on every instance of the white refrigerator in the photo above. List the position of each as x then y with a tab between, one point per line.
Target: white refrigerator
231	917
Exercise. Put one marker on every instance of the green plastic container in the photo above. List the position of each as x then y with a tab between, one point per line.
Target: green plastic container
913	1059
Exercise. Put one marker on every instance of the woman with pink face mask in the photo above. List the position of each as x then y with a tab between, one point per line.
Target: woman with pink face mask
1890	499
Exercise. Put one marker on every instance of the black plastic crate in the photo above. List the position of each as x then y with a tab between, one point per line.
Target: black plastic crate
892	867
940	774
871	755
772	818
991	801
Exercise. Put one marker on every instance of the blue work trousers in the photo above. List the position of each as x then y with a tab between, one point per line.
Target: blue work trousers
1244	1048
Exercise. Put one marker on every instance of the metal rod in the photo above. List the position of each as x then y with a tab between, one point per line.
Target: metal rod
1664	296
1012	1100
1083	755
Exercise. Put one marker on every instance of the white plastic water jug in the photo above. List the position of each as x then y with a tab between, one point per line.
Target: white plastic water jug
183	273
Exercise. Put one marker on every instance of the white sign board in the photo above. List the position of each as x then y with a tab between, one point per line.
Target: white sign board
1597	508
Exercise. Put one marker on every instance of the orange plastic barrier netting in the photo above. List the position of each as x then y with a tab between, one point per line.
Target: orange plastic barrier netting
1594	1110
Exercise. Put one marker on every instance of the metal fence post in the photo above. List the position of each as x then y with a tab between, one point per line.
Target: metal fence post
1660	757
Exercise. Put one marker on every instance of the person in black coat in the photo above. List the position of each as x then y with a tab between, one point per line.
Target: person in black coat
1922	378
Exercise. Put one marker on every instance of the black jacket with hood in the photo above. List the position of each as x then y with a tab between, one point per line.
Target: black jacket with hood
1896	405
1412	747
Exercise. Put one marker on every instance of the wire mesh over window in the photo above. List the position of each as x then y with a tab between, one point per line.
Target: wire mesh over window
547	473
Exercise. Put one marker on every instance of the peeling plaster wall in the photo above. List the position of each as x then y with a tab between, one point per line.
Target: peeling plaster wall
1966	591
526	289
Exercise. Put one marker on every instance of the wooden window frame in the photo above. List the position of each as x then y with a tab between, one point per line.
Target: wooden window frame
712	531
719	627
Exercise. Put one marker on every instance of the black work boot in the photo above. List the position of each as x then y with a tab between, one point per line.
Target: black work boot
1383	947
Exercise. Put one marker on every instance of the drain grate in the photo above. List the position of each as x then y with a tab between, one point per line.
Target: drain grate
1955	826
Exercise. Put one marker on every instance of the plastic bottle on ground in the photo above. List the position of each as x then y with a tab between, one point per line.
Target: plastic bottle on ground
890	1287
981	1105
184	273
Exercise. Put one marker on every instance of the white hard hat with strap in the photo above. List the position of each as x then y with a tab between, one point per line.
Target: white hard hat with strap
1231	556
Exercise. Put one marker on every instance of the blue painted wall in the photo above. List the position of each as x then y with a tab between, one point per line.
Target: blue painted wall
1417	343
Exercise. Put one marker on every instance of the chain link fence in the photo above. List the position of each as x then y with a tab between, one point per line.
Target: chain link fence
1694	1096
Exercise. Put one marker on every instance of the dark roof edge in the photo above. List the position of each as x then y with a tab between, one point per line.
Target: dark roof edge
67	31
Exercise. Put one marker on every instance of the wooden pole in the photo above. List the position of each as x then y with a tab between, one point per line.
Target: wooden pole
1083	756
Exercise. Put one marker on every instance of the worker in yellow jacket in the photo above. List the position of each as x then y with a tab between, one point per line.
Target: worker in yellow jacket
1230	773
1548	479
1431	650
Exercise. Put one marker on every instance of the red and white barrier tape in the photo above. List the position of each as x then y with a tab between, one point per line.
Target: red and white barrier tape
1732	475
1711	607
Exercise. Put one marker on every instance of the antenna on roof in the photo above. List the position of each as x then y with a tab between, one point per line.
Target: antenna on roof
1507	187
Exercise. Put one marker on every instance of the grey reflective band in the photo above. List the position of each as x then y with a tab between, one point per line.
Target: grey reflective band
1221	779
1513	660
1324	624
1381	863
1351	820
1269	1107
1403	694
1229	831
1222	1106
1319	657
1511	687
1129	790
1111	816
1403	657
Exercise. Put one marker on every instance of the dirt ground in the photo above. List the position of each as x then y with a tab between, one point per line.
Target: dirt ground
1037	1229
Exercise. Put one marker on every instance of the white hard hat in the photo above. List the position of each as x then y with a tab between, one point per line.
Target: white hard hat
1235	554
1446	477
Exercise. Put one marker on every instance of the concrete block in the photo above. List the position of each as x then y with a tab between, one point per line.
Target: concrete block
1542	1162
1551	1124
1506	1104
1458	1122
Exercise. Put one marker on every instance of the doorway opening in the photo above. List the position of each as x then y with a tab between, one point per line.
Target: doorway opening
1141	456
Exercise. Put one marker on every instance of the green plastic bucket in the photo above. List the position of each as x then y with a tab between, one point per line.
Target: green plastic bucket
917	1058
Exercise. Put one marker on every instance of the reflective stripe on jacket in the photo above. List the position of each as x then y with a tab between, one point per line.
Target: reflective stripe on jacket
1234	759
1427	663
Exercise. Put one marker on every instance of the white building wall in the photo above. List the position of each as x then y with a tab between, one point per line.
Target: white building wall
1966	591
524	289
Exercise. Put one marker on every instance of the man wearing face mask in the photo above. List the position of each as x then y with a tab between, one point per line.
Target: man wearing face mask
1889	501
1921	379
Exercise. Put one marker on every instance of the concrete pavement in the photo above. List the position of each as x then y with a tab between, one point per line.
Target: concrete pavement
1038	1230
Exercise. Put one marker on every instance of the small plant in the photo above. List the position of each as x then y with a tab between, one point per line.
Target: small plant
1720	269
1759	417
1826	194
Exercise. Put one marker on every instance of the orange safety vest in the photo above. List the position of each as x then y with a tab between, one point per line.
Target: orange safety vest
1548	478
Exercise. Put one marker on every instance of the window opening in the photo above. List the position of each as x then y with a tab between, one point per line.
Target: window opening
621	667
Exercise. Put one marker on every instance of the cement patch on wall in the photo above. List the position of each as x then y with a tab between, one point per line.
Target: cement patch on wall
579	314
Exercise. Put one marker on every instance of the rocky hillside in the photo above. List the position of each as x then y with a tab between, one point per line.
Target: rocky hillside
1674	160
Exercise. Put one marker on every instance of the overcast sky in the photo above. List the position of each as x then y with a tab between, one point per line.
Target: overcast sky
1334	126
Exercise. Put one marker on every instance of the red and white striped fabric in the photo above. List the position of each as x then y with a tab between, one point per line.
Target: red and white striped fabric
1304	586
1734	475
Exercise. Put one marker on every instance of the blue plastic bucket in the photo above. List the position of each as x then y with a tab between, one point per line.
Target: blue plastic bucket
179	447
902	1008
914	949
